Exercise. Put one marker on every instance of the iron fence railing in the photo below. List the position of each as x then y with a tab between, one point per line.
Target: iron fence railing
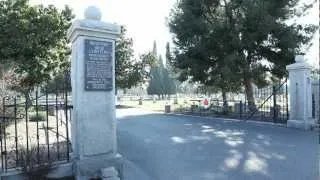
271	105
35	129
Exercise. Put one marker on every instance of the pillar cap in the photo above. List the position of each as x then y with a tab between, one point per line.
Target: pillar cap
92	26
92	13
300	63
300	59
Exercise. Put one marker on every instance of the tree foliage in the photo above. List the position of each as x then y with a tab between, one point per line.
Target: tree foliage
161	83
129	72
236	43
33	42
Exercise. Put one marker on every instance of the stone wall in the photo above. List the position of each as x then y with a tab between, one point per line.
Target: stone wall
315	93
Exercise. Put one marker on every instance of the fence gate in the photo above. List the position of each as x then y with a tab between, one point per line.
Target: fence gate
271	104
34	127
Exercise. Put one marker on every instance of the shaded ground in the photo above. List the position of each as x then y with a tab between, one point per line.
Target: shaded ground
187	148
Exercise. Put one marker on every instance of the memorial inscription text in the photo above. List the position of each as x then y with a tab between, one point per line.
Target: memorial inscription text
98	65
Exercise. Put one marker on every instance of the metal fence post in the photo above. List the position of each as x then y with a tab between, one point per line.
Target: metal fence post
313	106
240	109
287	103
274	104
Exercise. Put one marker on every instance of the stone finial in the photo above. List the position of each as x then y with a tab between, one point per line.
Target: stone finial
92	13
299	58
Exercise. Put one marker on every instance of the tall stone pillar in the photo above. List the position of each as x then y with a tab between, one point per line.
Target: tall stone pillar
93	94
300	94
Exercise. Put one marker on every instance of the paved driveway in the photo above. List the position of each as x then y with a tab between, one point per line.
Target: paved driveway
170	147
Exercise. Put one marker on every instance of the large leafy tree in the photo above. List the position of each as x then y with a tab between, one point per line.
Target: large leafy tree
224	43
129	72
33	43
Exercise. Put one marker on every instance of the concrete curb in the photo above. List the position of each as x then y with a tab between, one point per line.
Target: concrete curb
230	119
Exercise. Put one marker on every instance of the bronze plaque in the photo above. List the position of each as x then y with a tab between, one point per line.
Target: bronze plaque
98	65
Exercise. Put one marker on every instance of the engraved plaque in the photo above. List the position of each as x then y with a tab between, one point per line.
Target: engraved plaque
98	65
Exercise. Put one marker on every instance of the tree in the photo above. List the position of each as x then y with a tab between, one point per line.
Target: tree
129	72
60	83
154	50
224	43
168	57
155	87
174	83
167	82
33	42
160	81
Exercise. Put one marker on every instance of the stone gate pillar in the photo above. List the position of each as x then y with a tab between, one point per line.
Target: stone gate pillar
300	94
93	95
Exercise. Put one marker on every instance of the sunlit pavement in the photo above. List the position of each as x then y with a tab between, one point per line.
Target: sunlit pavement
168	147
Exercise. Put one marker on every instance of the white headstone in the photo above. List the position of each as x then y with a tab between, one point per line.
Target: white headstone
93	93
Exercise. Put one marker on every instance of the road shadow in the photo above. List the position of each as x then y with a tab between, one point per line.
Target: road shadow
176	147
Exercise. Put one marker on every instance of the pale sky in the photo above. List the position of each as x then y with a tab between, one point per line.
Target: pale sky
146	20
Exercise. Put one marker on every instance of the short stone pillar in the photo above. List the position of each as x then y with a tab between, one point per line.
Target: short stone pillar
300	95
93	94
167	108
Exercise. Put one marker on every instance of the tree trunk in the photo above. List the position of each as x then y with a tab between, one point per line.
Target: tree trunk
225	101
249	94
28	99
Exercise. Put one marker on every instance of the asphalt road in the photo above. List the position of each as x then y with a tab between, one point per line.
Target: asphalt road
168	147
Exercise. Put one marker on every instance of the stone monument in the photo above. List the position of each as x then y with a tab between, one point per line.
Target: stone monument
300	94
93	97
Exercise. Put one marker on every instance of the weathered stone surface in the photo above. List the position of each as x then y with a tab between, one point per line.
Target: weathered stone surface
300	94
112	178
93	93
298	124
109	172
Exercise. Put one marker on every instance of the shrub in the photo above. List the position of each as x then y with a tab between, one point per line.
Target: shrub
33	117
27	161
51	111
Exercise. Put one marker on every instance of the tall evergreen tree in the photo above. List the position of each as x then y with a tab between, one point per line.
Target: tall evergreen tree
174	83
224	43
156	81
168	56
154	49
160	81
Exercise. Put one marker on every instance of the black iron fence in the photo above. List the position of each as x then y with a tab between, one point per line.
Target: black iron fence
274	105
271	105
34	128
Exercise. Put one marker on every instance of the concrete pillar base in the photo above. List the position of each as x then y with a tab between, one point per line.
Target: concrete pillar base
99	167
300	124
